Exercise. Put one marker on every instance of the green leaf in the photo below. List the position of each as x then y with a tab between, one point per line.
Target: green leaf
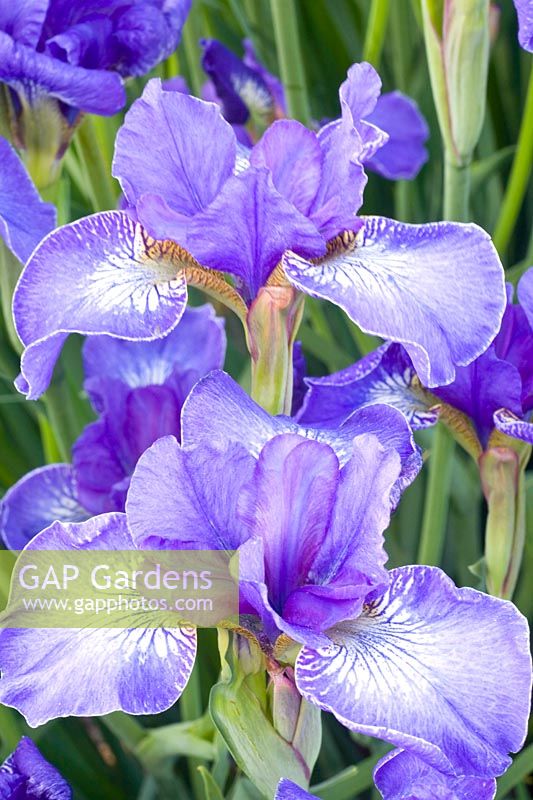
212	792
258	749
180	739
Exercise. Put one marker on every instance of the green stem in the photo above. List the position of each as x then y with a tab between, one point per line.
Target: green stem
290	59
456	191
92	155
375	32
437	500
519	177
191	708
434	521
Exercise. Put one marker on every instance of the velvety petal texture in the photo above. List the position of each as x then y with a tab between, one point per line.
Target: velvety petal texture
39	498
422	668
139	671
24	218
402	776
26	775
100	275
405	283
385	376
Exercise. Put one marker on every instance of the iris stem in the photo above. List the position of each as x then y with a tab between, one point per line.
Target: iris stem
435	518
290	60
375	31
191	708
519	177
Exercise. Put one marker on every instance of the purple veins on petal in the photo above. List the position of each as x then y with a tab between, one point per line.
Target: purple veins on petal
175	180
39	498
100	275
26	775
400	775
404	282
385	376
421	668
24	218
139	671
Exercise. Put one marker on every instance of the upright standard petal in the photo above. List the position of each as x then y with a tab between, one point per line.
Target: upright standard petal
358	96
100	275
139	671
39	498
287	790
36	75
218	409
24	218
176	149
386	376
402	776
187	499
404	154
422	668
247	228
524	9
407	282
293	155
26	775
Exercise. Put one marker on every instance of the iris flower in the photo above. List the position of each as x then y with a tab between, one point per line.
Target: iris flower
402	655
138	390
289	217
524	9
245	88
495	392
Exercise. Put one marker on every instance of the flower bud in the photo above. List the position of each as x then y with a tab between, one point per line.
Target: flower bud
503	486
457	34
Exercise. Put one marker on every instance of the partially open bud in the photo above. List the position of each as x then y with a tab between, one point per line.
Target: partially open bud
273	321
296	720
457	34
502	479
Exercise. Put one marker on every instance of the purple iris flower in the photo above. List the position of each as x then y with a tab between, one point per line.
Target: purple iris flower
138	390
524	9
401	655
495	391
26	775
24	218
77	53
244	87
295	201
